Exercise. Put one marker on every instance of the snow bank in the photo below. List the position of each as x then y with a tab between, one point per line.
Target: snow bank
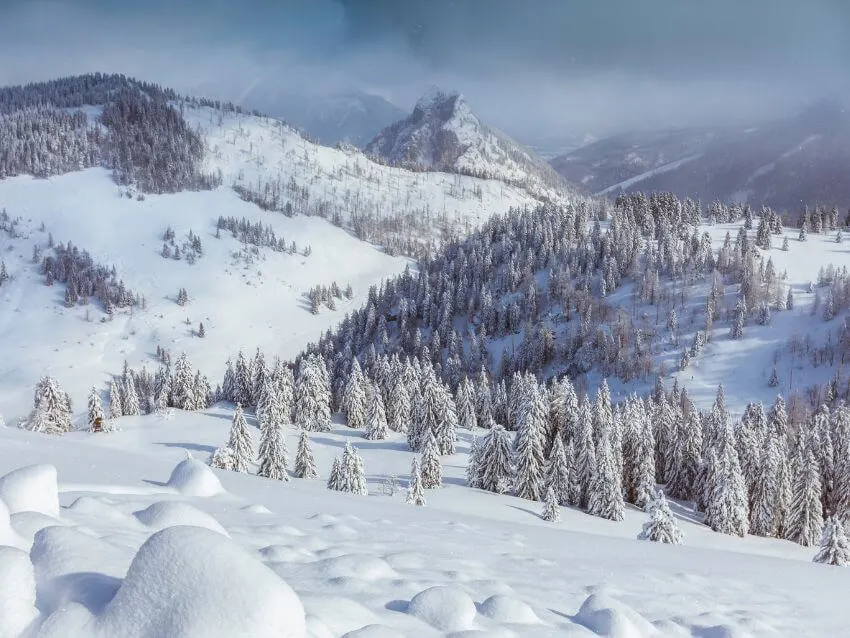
445	608
7	534
608	617
507	609
374	631
192	478
168	514
31	489
188	581
17	592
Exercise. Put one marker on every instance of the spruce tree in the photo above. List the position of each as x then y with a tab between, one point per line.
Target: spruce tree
765	497
804	521
312	396
726	506
51	408
352	476
415	492
834	548
240	443
585	454
96	417
483	399
532	415
558	472
496	466
376	420
305	464
606	495
272	452
465	402
432	469
130	398
354	399
661	526
116	410
335	476
398	406
551	509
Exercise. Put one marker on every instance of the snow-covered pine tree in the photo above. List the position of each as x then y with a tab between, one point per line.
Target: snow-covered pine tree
51	409
446	433
183	384
804	520
243	380
532	416
834	548
285	390
585	453
427	411
551	509
640	454
130	398
398	407
96	416
415	492
272	452
432	469
335	476
312	397
606	494
240	443
354	398
661	526
465	402
739	316
765	497
259	373
352	476
116	409
726	507
222	458
496	466
558	472
473	465
376	419
305	464
483	399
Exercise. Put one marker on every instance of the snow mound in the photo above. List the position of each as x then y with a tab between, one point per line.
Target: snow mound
506	609
374	631
192	478
17	592
96	508
256	508
74	567
31	489
8	536
335	615
608	617
359	566
28	524
188	581
164	514
445	608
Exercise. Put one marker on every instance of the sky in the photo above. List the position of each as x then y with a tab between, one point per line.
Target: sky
535	68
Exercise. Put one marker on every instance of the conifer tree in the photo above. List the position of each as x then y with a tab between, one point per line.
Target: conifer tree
272	452
558	472
116	410
96	417
465	402
765	498
804	521
398	407
305	464
585	454
335	476
532	415
352	476
354	399
738	319
834	548
573	483
496	467
376	420
130	398
183	384
473	465
51	408
415	492
446	433
551	509
240	443
222	458
432	469
483	399
661	526
312	396
606	495
726	503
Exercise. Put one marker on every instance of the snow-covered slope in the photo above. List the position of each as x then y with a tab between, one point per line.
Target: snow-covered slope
443	133
344	565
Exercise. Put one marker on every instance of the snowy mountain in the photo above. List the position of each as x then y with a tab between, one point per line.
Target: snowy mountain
343	118
442	133
778	163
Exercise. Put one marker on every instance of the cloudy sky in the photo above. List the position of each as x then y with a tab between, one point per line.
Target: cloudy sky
532	67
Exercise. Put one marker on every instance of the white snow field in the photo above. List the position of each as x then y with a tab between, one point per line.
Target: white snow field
149	543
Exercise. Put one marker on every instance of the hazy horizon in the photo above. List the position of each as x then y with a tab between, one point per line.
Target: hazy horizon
537	69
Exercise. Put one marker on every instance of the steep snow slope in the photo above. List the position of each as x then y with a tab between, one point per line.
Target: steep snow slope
368	566
244	302
443	133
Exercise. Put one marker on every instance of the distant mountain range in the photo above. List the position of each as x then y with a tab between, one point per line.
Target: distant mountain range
782	163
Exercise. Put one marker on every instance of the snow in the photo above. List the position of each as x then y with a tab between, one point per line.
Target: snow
17	592
469	561
167	514
31	489
194	478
